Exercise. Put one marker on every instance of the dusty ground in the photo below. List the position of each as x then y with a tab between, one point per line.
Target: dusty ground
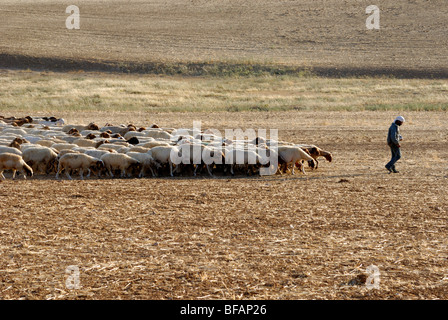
320	34
276	237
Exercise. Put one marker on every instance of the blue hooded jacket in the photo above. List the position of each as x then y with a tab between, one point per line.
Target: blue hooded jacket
393	137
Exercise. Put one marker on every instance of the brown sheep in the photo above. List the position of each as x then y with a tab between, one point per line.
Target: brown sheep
93	126
315	152
14	162
73	131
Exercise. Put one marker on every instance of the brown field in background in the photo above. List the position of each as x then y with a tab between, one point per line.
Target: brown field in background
275	237
329	37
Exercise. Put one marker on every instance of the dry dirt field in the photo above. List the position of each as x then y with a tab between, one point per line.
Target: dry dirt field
274	237
329	36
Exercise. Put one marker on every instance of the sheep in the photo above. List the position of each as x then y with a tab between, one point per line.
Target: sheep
65	151
162	155
198	156
241	158
62	146
33	139
118	161
153	144
132	134
68	127
14	162
17	142
75	161
98	153
122	130
134	141
158	134
316	152
292	155
113	146
124	150
89	143
18	132
138	149
48	143
10	150
40	159
146	161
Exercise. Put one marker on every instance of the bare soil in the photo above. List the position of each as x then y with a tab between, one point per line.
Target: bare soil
275	237
328	37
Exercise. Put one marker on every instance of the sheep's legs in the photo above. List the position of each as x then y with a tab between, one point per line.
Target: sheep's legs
58	171
2	176
81	171
68	175
14	174
209	170
171	167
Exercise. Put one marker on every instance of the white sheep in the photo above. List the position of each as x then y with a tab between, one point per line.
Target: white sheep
292	155
242	158
97	153
162	155
119	161
112	146
82	142
78	127
14	162
62	146
153	144
139	149
132	134
79	161
10	150
48	143
146	161
41	159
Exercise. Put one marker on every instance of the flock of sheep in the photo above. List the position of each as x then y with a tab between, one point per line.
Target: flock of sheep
42	145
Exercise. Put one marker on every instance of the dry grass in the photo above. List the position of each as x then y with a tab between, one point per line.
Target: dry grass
31	92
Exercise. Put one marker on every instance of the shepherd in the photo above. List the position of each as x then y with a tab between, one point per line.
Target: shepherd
393	140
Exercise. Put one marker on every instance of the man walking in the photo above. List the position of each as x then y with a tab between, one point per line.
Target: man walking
393	140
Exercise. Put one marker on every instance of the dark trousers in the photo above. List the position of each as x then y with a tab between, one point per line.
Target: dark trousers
396	155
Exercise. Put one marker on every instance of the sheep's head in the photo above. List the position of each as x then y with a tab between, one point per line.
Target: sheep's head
97	167
72	131
104	135
93	126
52	166
311	164
133	141
135	168
100	143
90	136
328	156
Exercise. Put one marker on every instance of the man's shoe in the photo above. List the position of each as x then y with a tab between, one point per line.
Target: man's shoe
388	169
395	171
